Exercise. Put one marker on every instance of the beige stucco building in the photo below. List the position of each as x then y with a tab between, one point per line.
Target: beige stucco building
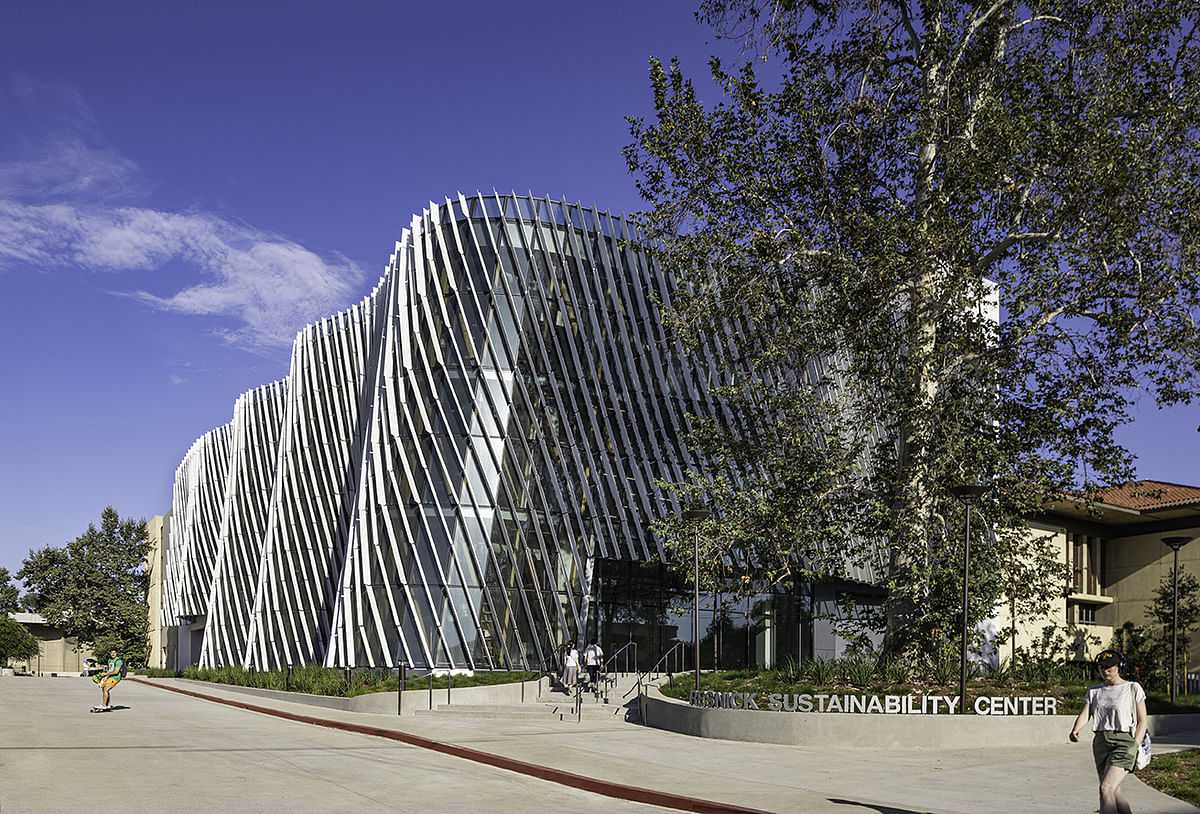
57	654
157	636
1117	557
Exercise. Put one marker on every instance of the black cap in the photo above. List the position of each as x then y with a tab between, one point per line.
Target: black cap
1109	658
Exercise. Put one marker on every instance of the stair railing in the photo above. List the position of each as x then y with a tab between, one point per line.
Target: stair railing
606	677
678	646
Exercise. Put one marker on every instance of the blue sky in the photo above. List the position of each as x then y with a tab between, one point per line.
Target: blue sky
184	186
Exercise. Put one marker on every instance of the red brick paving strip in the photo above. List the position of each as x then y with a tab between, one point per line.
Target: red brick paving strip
578	781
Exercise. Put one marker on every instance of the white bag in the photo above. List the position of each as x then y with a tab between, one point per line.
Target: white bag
1143	755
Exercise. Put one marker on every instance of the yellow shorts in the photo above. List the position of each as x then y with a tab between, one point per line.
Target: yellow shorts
110	682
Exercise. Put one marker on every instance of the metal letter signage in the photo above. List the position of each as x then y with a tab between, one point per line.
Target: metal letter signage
874	704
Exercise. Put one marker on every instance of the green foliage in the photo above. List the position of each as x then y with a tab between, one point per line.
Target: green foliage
1162	609
159	672
1002	672
1147	652
1059	644
895	671
874	183
857	671
314	679
16	642
789	672
1063	681
942	672
1148	649
94	588
819	671
9	595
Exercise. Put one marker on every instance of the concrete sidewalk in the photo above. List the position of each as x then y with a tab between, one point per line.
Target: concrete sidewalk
826	778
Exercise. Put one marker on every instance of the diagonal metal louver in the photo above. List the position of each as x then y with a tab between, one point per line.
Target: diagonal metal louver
257	418
435	478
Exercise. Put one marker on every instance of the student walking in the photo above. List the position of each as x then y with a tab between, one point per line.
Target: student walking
570	667
1117	709
593	660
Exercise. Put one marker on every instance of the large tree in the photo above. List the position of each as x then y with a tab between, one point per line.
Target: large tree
929	243
95	587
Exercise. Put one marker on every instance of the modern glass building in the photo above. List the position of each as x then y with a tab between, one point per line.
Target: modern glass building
452	466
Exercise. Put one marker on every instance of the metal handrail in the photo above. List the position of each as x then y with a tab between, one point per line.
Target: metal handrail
653	669
404	680
607	662
620	650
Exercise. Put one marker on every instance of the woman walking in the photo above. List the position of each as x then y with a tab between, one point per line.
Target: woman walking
570	667
1117	708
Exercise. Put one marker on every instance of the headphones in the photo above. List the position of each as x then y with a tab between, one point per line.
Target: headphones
1110	654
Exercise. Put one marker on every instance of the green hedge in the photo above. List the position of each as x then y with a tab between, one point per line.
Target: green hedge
316	680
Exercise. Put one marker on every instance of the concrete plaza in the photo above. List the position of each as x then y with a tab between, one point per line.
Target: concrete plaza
163	751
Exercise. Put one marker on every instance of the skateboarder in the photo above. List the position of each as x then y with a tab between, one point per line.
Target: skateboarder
109	679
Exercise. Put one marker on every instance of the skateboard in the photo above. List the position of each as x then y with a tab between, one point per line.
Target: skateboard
102	709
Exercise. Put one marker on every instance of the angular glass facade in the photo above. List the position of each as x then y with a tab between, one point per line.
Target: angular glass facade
446	462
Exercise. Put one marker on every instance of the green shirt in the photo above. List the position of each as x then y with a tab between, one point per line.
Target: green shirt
113	670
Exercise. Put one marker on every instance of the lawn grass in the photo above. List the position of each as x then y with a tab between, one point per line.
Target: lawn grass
1176	774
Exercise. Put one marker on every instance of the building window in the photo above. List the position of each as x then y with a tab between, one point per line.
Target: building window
1085	565
1085	614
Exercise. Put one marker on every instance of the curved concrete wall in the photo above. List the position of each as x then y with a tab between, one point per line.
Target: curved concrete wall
385	702
873	731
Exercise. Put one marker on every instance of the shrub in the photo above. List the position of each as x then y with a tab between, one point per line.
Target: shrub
789	672
818	671
857	671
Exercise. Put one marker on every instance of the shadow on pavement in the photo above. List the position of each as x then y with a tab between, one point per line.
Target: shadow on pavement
882	809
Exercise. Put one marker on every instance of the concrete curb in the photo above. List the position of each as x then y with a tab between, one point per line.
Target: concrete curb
595	785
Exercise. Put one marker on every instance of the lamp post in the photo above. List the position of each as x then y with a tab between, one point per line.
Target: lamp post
968	494
696	516
1175	544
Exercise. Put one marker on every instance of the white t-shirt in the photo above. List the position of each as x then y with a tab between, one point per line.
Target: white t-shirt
1114	707
571	659
592	655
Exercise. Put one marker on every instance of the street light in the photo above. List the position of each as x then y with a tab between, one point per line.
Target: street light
968	494
1175	543
696	516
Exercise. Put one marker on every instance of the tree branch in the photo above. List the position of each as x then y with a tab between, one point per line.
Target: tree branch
1010	240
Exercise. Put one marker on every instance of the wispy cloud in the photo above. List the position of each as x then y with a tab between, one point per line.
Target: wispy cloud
271	285
68	168
67	204
51	149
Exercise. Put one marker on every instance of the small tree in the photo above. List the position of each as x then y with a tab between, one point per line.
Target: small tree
16	642
1145	651
1161	611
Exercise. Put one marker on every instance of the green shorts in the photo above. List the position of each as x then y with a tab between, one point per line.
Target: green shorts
1113	749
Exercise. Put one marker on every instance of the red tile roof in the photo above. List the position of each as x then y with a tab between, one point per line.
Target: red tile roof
1145	495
